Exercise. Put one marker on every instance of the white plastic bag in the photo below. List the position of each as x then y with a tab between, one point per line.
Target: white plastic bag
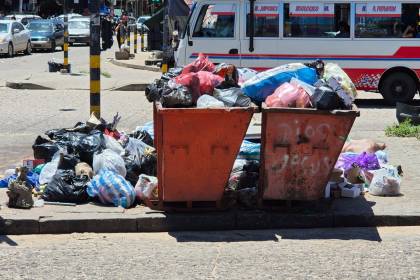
109	160
113	144
333	70
49	169
145	186
385	181
207	101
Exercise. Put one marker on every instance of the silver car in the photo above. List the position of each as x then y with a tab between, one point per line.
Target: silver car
14	37
79	31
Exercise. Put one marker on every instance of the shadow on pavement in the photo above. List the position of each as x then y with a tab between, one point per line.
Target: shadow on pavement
380	103
225	236
6	239
360	233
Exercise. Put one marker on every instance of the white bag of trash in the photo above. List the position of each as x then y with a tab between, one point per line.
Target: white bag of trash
145	187
207	101
385	182
109	160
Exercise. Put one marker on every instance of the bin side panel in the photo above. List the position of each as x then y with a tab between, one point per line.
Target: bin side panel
198	152
300	151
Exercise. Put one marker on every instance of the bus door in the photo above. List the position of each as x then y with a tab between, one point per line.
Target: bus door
261	34
215	32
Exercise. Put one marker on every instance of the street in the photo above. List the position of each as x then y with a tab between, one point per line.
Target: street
310	253
341	253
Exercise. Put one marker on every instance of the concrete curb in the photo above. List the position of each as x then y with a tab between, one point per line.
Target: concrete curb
135	66
32	86
24	85
231	220
131	87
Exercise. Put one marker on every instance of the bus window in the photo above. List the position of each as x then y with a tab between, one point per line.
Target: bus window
216	21
319	20
387	20
266	20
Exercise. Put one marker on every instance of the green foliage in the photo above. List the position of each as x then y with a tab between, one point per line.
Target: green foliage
404	129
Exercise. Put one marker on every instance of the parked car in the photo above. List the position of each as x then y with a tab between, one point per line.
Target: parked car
69	16
24	19
14	37
140	23
79	30
46	34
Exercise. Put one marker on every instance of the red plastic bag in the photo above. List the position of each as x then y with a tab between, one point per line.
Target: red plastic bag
288	95
208	81
202	63
199	83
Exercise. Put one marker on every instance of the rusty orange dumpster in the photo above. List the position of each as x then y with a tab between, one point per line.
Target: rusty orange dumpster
299	148
196	149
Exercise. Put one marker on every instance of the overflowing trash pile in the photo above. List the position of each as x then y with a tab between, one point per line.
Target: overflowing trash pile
363	167
204	85
201	84
91	161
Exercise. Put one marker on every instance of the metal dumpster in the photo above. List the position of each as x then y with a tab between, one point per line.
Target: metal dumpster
196	149
299	148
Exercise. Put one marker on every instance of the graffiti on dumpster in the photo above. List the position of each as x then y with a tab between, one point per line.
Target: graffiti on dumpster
298	142
288	134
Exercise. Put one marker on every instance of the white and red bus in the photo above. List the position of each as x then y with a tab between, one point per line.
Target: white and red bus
376	42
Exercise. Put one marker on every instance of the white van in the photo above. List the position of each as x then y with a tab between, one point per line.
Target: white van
376	42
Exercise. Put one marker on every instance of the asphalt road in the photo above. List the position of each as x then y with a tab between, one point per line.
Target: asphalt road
346	253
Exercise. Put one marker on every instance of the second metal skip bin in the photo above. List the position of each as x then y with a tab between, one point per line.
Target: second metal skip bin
299	148
196	150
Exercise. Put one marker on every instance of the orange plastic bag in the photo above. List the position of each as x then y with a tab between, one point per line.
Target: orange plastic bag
288	95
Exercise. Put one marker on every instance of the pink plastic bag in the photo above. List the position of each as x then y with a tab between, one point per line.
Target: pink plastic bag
288	95
202	63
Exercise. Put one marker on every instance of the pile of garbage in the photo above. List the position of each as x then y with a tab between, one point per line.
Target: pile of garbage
202	84
363	167
91	161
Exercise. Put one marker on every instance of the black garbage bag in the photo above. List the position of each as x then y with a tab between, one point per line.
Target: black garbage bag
247	197
44	149
152	92
325	98
179	97
68	162
148	164
133	170
89	144
232	97
65	186
172	73
143	136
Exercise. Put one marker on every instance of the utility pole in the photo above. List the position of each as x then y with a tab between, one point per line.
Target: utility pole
95	58
166	51
66	39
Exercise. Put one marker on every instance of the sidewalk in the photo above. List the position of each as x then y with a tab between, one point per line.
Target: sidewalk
113	77
137	62
364	211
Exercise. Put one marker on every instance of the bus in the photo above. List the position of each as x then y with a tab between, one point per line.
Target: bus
377	43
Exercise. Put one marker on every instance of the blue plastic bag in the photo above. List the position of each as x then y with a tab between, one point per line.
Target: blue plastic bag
111	188
249	150
32	179
265	83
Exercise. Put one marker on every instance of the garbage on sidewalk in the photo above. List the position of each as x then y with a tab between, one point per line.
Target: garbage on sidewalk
90	161
364	166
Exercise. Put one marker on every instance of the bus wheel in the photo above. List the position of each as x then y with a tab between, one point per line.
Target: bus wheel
398	87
